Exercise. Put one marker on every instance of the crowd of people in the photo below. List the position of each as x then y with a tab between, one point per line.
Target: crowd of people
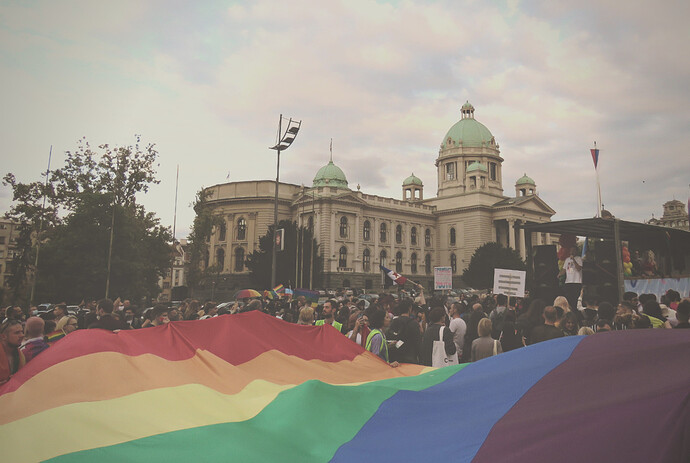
433	331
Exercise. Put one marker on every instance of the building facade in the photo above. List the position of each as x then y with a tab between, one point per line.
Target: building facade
674	216
8	235
357	232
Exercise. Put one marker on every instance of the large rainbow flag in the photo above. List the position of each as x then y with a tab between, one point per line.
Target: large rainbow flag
252	388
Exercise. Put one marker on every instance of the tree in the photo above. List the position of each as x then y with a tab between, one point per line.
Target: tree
259	262
93	189
480	273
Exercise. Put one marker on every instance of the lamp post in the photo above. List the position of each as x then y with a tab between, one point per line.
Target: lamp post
285	139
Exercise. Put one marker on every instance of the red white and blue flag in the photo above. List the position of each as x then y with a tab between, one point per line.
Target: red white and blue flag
595	156
393	275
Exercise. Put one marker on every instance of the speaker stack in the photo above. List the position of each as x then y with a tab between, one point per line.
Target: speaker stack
545	273
606	271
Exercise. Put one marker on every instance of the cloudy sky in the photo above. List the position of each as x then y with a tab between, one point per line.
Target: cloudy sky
206	82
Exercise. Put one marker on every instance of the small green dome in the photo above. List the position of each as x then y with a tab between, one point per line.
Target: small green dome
524	180
476	165
412	180
330	175
468	130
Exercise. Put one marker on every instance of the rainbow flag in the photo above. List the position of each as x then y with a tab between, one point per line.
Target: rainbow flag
249	387
54	336
311	296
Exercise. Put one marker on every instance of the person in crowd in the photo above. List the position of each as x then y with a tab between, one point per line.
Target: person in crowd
585	331
174	315
458	327
497	314
531	319
254	304
404	328
603	325
606	312
652	310
11	358
14	313
360	329
106	320
683	314
34	342
484	346
192	311
548	329
625	316
210	310
131	318
570	324
472	332
160	315
436	321
64	321
562	307
572	268
590	311
673	298
329	310
91	314
511	338
306	316
376	341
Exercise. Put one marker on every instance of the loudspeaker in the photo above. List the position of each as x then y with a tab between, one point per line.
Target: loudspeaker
606	271
589	273
545	285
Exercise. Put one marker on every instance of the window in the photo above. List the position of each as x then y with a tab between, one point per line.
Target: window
222	231
382	258
366	232
384	232
413	263
453	263
427	264
366	260
310	223
239	259
450	171
342	258
207	258
492	171
241	229
427	237
398	262
398	234
413	236
343	227
2	240
220	258
452	236
2	254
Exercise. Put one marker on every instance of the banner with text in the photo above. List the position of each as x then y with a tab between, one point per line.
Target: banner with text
509	282
443	278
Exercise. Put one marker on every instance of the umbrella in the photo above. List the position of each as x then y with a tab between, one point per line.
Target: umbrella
246	293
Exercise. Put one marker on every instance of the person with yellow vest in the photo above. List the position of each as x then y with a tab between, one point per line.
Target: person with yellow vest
376	340
329	308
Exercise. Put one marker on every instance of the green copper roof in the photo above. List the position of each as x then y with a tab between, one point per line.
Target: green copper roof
330	175
412	180
476	165
470	131
525	180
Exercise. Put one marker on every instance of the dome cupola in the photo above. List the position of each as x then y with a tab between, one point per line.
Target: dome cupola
330	175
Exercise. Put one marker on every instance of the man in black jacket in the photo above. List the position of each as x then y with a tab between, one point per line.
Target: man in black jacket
106	320
405	329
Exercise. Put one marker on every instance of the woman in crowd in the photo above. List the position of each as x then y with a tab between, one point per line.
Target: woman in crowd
484	346
376	341
510	338
570	324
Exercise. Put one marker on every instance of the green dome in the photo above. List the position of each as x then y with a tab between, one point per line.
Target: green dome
476	165
330	175
524	180
468	130
412	180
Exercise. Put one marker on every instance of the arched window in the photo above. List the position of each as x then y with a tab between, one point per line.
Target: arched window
413	236
239	259
453	263
427	237
427	264
241	229
384	233
310	223
452	236
366	231
207	258
222	231
398	234
342	258
220	258
366	260
413	263
343	227
398	261
382	258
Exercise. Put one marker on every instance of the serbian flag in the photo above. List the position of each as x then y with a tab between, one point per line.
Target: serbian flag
395	276
595	156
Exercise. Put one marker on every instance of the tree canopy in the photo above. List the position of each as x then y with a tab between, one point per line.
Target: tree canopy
480	273
95	188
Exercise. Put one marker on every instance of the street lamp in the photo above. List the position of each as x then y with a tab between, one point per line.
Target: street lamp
285	139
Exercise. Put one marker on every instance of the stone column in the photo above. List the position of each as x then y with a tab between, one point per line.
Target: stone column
511	233
494	236
523	245
547	238
357	258
333	251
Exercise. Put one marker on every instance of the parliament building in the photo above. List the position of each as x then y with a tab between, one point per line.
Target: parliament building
411	234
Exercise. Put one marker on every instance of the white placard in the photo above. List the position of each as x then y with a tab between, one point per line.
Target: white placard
509	282
443	278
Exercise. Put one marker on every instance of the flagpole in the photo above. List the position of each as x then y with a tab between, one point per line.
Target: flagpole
596	169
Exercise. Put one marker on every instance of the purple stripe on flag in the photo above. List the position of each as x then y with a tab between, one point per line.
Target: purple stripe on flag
617	393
